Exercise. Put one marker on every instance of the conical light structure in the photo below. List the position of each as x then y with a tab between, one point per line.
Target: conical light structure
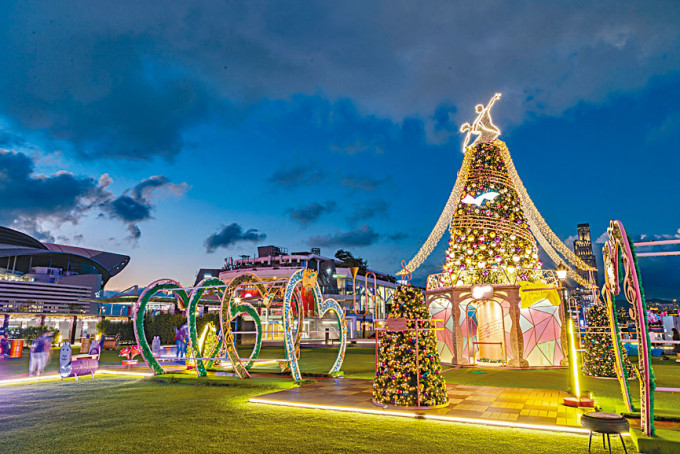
490	235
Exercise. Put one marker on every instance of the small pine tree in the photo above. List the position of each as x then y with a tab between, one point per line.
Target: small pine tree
211	345
395	380
599	359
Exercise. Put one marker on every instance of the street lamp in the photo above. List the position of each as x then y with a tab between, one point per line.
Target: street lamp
561	271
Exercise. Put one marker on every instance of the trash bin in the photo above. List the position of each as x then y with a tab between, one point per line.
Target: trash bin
16	349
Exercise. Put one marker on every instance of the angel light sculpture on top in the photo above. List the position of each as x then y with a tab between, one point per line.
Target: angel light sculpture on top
483	126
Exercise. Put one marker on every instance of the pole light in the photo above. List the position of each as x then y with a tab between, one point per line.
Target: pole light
561	271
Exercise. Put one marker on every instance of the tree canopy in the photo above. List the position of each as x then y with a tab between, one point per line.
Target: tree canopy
347	259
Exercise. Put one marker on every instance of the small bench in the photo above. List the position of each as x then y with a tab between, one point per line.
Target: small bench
78	365
605	424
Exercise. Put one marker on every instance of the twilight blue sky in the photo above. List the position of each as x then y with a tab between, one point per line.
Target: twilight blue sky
181	133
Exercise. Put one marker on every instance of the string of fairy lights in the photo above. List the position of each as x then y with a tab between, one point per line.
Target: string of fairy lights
556	258
444	220
536	220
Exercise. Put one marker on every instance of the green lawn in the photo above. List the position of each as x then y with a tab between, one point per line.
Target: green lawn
134	415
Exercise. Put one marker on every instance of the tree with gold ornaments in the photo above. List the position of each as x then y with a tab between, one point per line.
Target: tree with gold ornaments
490	236
407	359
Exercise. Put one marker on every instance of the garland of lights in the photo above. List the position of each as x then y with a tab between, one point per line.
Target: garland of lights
230	309
188	301
620	246
322	307
556	258
232	352
538	223
211	283
443	221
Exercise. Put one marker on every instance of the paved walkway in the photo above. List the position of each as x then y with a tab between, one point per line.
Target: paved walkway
517	407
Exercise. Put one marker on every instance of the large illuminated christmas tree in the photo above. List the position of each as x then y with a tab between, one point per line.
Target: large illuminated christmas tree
396	381
599	359
490	234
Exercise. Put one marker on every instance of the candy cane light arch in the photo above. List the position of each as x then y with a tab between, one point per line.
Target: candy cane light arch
619	247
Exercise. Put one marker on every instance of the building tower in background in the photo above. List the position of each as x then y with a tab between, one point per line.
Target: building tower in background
583	248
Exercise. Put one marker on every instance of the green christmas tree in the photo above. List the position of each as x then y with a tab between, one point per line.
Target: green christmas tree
211	345
599	359
396	378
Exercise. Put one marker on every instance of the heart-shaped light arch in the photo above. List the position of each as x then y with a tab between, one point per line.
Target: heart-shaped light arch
140	309
322	307
211	283
229	310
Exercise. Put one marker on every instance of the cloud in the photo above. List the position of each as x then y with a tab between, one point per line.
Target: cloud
230	235
666	132
396	58
363	235
101	94
653	237
310	213
361	182
34	228
113	82
602	238
135	204
26	196
296	176
369	209
397	236
30	201
569	242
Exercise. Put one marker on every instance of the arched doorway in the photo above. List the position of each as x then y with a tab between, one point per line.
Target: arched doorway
484	333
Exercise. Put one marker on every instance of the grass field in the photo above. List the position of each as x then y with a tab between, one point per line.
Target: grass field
126	415
112	414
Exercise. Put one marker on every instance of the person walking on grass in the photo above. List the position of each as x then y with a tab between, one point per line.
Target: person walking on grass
180	342
34	363
46	338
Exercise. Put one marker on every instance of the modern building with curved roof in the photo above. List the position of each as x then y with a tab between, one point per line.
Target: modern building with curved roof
51	281
24	256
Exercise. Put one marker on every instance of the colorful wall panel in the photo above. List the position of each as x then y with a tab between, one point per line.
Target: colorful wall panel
541	327
441	310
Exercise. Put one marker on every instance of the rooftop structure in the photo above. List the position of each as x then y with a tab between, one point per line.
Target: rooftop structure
52	283
24	257
335	280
